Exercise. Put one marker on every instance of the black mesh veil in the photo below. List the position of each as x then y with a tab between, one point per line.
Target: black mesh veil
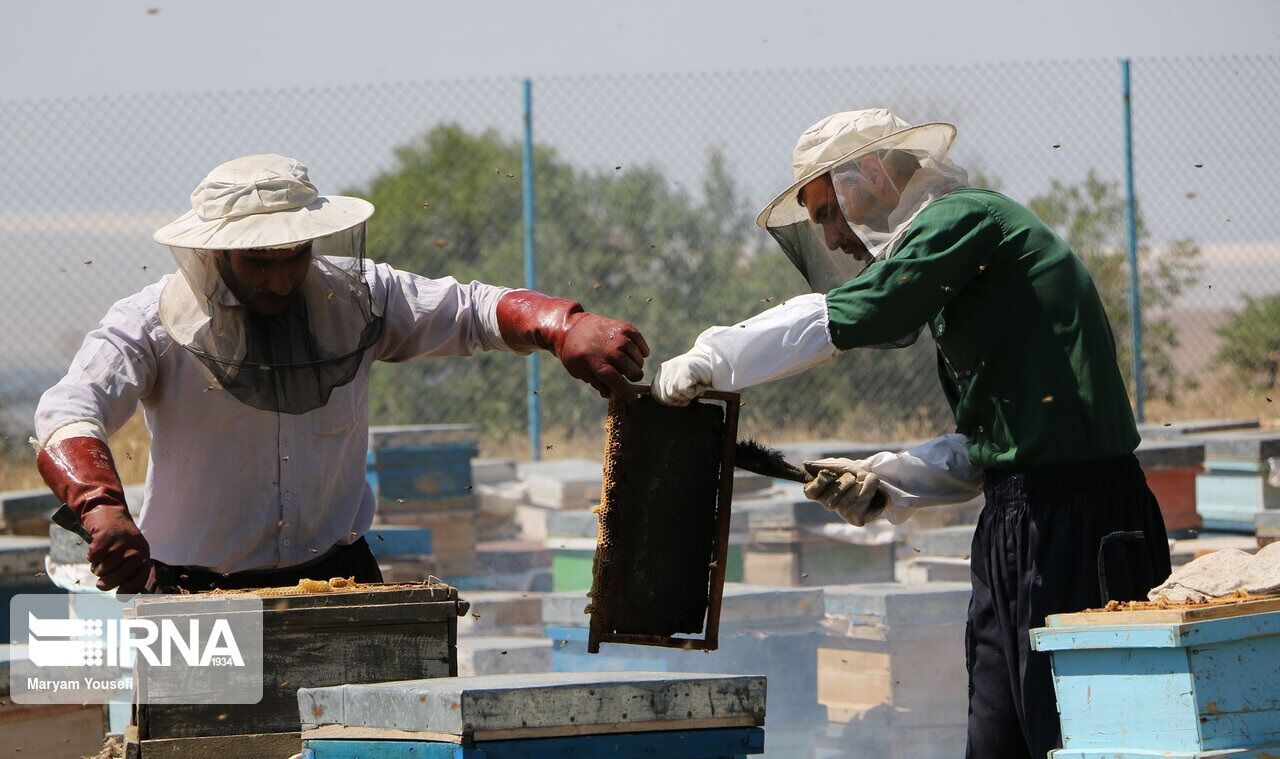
288	362
803	245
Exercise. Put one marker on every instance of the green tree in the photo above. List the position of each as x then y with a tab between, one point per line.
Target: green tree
1090	216
626	243
1251	341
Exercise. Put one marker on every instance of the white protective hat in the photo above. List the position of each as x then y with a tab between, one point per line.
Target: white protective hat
835	146
843	137
287	362
260	201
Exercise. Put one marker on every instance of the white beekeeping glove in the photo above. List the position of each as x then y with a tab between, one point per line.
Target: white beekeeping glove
776	343
683	378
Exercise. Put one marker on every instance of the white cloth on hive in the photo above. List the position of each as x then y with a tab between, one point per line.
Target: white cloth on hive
1222	573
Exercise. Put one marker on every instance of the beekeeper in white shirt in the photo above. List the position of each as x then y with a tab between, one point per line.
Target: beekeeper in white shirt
251	363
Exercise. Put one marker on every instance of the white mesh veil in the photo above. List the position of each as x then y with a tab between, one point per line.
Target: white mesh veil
928	177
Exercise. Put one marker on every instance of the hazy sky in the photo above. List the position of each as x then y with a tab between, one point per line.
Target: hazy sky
80	172
50	48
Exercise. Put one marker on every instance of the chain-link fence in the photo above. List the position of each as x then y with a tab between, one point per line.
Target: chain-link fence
646	190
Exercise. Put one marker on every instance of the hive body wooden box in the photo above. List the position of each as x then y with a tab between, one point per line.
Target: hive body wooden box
421	476
313	640
1171	468
1178	684
628	715
1235	486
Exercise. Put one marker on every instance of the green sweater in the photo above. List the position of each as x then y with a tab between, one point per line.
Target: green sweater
1025	351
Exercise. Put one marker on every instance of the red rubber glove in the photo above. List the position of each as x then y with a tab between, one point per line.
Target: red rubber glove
82	474
605	353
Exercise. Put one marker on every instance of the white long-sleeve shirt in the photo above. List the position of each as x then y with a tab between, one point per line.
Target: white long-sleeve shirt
230	487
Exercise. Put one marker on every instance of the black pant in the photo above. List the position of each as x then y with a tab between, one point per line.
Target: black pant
354	560
1051	539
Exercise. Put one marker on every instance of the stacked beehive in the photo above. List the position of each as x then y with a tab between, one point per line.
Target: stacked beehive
523	565
502	634
892	672
26	512
421	475
560	495
675	716
1177	681
1237	482
792	541
939	554
403	551
46	730
498	491
21	571
1171	468
308	640
773	632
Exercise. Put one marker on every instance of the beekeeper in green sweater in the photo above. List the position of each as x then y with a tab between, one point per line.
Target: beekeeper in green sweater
1027	362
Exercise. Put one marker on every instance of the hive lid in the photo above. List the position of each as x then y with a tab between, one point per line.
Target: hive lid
508	706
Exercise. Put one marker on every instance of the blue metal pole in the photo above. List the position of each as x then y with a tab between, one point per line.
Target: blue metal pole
533	379
1131	218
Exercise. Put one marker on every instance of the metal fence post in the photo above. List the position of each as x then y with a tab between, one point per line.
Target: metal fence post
531	275
1131	218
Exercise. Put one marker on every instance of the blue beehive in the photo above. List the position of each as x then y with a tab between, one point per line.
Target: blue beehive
21	571
388	541
1235	485
626	715
725	743
1175	683
423	467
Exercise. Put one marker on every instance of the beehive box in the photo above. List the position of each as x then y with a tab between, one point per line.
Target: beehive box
370	634
773	632
52	731
1234	486
872	738
562	484
21	571
1174	430
21	556
1171	468
493	471
26	512
786	545
894	657
1178	682
398	541
631	714
454	535
46	730
502	612
1266	527
424	467
403	552
503	655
